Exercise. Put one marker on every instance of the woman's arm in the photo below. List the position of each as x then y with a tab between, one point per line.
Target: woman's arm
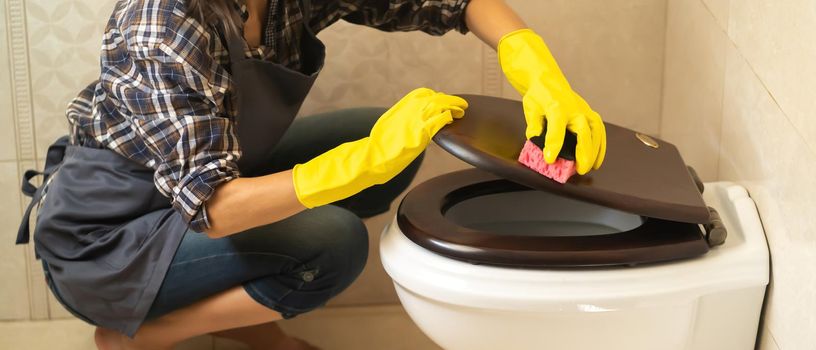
490	20
247	202
395	140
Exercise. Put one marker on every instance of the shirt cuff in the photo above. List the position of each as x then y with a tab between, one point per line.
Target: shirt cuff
459	18
192	196
200	222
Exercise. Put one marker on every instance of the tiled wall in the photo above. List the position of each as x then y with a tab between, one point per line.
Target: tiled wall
49	48
740	81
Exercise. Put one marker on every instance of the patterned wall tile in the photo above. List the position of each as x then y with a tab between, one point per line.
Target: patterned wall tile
64	38
14	293
17	56
19	113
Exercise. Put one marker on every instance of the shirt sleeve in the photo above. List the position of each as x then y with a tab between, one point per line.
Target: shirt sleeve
174	91
435	17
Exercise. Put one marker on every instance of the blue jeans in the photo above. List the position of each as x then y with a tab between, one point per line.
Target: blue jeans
297	264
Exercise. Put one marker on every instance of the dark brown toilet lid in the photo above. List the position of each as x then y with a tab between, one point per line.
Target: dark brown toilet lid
634	177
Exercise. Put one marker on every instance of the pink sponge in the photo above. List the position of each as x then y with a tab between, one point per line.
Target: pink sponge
532	157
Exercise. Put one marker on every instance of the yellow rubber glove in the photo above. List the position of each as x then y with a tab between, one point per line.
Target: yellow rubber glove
396	139
532	70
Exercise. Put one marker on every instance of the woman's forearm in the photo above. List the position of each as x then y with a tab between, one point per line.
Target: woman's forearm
490	20
247	202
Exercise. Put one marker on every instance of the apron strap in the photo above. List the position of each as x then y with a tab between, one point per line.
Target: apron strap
307	13
53	159
235	46
27	188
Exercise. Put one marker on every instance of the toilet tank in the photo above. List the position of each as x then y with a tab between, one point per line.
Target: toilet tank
705	303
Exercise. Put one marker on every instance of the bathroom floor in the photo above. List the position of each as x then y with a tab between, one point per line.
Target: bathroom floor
385	327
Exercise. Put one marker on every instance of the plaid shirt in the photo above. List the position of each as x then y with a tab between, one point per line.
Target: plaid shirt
163	98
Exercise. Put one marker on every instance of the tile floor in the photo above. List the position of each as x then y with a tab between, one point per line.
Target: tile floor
385	327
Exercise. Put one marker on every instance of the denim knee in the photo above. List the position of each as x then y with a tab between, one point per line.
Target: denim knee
334	253
346	249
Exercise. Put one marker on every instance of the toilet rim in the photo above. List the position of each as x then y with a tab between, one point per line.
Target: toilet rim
421	218
424	273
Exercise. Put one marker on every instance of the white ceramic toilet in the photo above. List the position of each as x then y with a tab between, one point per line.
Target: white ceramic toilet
483	262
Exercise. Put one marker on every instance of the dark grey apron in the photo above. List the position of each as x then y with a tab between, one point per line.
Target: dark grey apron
105	234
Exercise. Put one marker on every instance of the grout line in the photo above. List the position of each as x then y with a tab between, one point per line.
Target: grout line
773	98
730	40
773	339
482	64
722	90
663	69
10	74
714	17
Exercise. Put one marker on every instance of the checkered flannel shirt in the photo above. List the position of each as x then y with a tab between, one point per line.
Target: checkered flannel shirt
163	97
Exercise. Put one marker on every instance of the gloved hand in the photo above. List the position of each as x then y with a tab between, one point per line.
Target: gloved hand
532	70
396	139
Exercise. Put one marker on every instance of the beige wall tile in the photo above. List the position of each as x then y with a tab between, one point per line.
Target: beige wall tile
367	67
776	37
451	63
756	142
355	72
380	327
47	335
766	340
610	51
64	37
8	143
14	293
720	10
693	85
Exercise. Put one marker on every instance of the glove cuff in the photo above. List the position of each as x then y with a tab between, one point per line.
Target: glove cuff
297	182
516	33
517	53
525	58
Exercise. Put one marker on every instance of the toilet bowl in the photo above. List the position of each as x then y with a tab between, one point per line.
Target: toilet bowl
462	300
481	260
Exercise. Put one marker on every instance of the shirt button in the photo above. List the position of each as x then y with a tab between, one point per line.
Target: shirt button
308	276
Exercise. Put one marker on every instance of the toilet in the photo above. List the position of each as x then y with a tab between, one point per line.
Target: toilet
636	255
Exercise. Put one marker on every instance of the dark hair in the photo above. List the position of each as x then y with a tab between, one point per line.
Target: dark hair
214	12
